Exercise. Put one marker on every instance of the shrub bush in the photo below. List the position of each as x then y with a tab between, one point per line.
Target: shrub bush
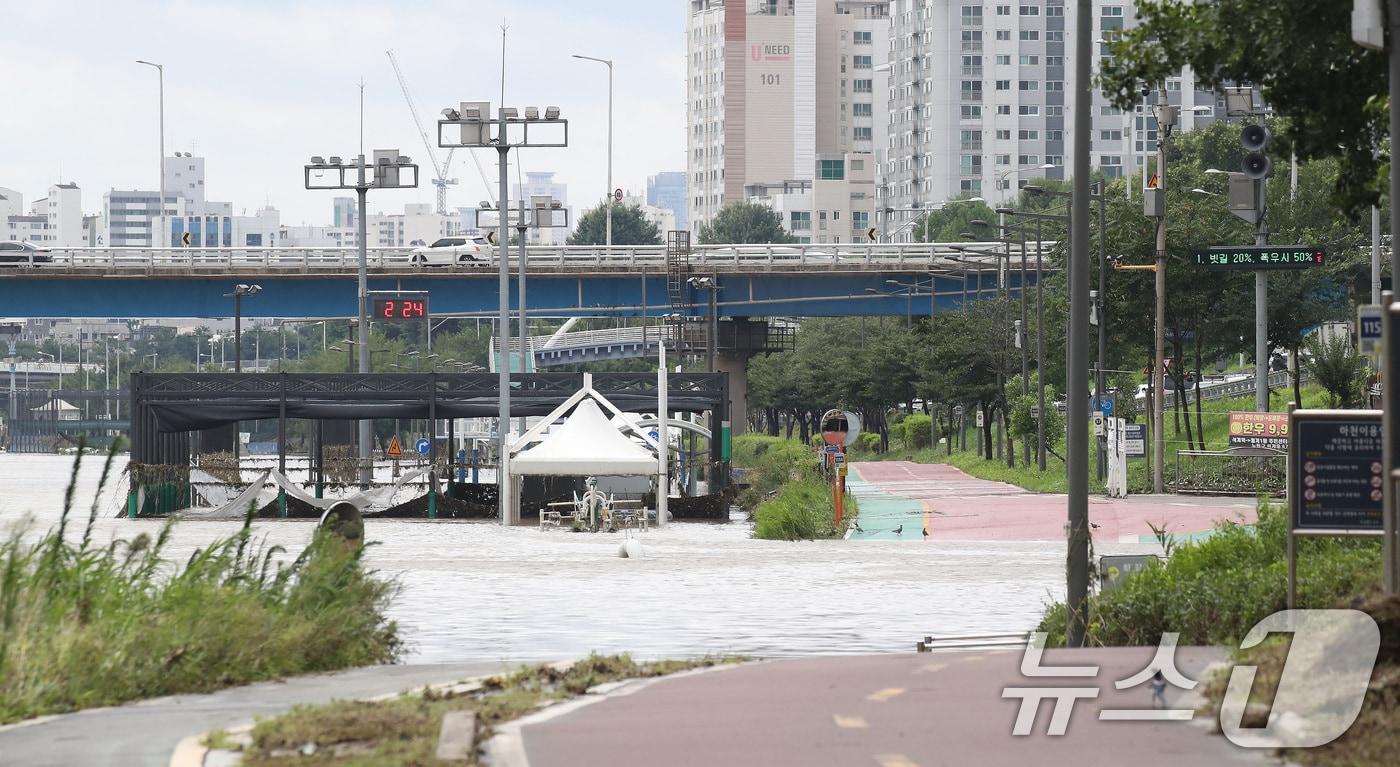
915	431
1212	591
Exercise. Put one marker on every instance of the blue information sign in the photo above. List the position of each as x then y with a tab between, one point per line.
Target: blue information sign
422	445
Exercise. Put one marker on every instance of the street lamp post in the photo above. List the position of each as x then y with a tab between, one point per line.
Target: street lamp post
160	206
388	170
609	199
471	128
1099	304
239	291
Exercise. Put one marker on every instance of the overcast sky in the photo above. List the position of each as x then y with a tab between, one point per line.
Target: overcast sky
259	86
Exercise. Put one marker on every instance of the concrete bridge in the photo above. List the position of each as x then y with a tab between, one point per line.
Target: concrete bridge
626	281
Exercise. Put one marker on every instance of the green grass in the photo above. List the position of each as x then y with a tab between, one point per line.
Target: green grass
1215	418
803	510
86	624
404	731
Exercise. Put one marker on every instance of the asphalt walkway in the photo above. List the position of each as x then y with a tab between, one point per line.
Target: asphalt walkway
885	711
145	733
953	505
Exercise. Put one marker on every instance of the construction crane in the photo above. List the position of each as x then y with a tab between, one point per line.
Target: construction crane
440	179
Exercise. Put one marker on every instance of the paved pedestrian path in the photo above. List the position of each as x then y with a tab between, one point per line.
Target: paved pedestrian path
145	733
884	711
952	505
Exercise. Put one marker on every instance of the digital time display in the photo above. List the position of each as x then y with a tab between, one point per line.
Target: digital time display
1259	257
400	308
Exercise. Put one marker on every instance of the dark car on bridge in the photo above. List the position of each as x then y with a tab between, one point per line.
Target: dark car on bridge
23	254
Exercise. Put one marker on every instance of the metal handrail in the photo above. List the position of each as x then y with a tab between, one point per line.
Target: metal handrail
579	257
967	641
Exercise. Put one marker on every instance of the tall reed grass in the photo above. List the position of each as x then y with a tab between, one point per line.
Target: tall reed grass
84	623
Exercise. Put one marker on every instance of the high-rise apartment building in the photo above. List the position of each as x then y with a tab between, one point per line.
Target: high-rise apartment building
979	102
784	107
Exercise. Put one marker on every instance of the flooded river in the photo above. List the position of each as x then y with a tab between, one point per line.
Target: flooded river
474	591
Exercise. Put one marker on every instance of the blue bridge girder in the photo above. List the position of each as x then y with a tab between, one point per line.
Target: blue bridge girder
753	281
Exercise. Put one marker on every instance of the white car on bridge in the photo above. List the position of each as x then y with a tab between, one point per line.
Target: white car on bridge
448	251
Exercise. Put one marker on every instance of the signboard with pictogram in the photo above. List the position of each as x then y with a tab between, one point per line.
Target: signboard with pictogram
1337	473
395	448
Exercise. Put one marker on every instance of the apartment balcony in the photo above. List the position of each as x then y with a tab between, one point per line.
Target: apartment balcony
972	71
971	146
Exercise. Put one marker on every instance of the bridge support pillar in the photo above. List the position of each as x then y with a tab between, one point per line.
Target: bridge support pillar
734	363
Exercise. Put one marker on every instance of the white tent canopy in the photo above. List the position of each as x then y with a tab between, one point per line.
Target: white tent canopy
586	445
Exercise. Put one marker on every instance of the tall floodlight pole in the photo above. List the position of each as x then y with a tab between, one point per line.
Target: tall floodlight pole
362	290
504	486
609	199
388	171
1077	436
472	124
160	206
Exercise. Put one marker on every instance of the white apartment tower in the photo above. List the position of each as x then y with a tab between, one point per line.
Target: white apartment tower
783	107
979	100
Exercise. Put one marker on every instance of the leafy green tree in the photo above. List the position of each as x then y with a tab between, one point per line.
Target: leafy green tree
629	227
1300	55
745	223
1338	368
947	223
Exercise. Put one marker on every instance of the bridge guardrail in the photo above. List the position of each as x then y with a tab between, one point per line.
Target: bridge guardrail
581	257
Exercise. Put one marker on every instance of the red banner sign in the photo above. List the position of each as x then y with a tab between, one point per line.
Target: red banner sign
1259	430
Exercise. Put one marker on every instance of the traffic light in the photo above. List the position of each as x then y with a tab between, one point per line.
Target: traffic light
1255	139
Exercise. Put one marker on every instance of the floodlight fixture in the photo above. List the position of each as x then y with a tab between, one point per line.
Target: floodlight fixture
336	161
532	113
318	160
451	114
551	113
510	113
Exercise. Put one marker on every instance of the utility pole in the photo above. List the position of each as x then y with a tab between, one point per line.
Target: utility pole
1392	568
1166	119
1077	394
1261	307
1101	302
